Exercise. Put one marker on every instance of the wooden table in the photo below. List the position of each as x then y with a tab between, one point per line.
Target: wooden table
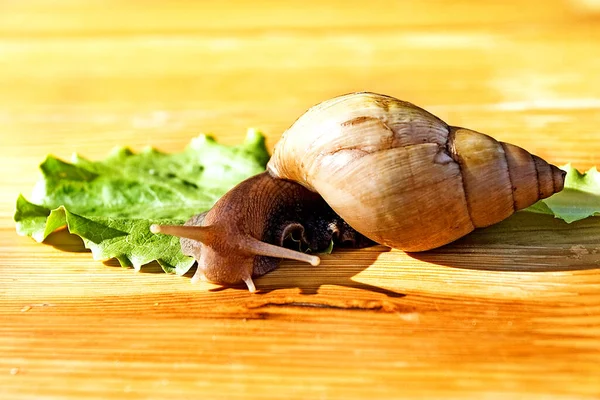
511	311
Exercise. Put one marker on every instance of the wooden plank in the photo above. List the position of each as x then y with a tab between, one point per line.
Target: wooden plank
509	311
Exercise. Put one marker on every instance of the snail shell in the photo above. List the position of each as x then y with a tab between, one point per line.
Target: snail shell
403	177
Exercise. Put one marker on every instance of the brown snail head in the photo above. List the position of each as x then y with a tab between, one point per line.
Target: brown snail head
364	164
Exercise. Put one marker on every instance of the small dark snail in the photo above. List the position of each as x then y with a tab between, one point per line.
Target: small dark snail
392	171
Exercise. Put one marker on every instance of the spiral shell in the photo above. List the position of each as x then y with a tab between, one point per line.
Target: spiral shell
403	177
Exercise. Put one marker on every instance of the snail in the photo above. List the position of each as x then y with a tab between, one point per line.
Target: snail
358	168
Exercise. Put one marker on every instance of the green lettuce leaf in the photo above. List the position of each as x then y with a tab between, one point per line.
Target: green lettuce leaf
578	200
110	204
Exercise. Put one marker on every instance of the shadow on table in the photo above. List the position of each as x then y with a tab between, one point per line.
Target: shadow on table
65	241
525	242
335	269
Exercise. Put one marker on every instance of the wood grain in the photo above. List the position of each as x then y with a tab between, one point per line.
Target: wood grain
512	311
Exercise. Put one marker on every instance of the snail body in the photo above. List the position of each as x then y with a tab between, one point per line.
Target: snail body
366	167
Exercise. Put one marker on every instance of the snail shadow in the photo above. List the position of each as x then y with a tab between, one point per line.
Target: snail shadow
525	242
336	269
